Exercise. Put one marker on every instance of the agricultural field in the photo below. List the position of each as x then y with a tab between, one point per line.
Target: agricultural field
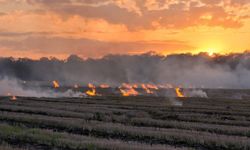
115	122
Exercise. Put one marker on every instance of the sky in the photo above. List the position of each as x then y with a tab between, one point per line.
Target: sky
95	28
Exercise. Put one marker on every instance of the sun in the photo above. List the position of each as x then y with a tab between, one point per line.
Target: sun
211	52
212	48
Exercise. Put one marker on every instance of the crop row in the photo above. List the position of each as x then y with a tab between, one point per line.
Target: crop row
48	139
129	133
135	120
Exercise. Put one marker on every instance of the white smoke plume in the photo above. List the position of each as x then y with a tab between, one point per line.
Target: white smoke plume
197	93
199	71
12	87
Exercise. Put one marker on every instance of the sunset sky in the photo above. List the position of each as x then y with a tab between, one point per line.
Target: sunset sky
94	28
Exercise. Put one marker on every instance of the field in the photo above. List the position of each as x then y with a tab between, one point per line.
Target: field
115	122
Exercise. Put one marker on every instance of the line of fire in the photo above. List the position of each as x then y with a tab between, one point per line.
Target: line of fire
124	89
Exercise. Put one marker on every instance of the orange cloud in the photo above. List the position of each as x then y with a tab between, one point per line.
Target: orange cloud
89	48
94	28
141	14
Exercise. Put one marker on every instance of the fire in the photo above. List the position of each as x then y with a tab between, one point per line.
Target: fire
91	86
129	86
178	92
76	86
151	86
126	85
104	86
13	98
128	90
56	84
135	86
146	89
92	91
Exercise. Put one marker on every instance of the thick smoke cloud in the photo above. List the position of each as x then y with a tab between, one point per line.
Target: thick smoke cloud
186	70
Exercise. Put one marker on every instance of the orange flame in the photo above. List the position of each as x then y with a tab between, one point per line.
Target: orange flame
126	85
104	86
148	91
92	91
151	86
135	86
56	84
129	92
178	92
13	98
91	86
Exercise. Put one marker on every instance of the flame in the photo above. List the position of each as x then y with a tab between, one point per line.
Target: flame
13	98
148	91
126	85
104	86
128	90
56	84
152	86
91	86
92	91
76	86
178	92
135	86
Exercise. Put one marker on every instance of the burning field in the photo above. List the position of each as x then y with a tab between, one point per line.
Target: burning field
61	110
124	75
130	116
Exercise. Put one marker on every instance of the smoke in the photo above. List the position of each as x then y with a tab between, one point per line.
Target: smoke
171	95
197	93
11	87
185	70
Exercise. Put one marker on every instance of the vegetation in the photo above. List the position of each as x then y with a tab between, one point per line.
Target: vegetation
124	123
